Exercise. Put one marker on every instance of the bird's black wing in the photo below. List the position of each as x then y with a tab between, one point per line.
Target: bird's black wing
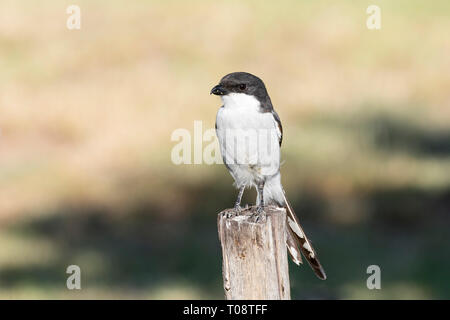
279	126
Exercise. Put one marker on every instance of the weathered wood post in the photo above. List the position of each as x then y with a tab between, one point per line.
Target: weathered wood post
254	264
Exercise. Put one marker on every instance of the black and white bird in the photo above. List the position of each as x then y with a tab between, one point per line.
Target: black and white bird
250	135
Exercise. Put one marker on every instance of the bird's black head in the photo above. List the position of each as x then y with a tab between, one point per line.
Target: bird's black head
245	83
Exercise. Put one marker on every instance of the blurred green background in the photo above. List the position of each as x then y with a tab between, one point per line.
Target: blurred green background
86	118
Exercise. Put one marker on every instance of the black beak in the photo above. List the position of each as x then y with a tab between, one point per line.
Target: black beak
218	90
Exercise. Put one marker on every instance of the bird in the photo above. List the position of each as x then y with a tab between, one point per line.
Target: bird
250	135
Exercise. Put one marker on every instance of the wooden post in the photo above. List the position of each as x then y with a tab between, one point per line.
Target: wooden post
254	265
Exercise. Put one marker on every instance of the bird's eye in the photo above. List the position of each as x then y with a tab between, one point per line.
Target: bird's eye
242	86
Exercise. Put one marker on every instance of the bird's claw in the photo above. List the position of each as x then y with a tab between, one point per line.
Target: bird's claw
230	213
259	215
260	209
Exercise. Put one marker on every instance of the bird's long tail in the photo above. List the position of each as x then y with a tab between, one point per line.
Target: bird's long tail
297	242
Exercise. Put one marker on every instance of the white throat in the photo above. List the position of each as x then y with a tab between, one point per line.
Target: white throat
239	101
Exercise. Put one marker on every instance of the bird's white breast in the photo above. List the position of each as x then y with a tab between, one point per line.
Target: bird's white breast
240	111
241	116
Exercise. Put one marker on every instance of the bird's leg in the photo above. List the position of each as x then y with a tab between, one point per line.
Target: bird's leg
237	205
260	214
260	207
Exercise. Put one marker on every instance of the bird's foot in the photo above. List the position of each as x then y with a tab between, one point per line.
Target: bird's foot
231	213
259	215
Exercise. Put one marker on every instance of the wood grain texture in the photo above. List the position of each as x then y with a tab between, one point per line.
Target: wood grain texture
254	265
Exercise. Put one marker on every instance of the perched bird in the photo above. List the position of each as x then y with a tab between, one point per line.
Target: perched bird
250	135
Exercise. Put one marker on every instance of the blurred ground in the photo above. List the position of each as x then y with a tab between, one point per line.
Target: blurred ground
86	119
